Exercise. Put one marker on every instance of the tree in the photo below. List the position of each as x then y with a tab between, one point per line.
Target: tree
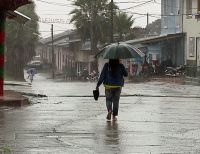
154	28
92	19
135	33
20	42
123	24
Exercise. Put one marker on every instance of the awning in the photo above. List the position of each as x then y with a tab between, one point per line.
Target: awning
17	16
12	5
155	38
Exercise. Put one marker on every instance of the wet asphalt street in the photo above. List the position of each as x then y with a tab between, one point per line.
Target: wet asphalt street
164	119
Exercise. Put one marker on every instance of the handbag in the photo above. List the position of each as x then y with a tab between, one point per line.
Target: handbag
96	94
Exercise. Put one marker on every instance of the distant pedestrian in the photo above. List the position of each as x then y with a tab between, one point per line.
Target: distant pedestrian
112	78
31	73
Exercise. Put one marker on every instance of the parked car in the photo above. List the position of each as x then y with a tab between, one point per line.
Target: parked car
35	62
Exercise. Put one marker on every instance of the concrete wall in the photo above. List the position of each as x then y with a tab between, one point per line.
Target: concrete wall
82	56
171	19
45	53
60	58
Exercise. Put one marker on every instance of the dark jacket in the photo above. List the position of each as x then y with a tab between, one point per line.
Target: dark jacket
107	78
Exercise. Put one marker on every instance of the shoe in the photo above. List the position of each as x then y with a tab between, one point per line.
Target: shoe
109	116
114	118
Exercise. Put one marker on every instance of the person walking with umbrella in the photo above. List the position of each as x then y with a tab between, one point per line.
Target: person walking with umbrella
113	73
112	77
31	73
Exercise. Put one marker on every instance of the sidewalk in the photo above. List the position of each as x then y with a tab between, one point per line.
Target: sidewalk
13	98
16	83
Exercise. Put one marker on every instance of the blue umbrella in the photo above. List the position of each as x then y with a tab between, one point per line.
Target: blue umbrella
32	71
121	51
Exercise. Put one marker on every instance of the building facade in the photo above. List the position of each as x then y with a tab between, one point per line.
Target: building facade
191	26
171	17
71	55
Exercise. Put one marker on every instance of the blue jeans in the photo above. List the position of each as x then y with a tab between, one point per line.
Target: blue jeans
112	100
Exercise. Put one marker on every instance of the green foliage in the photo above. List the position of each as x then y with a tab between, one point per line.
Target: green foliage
123	24
136	32
154	27
23	33
20	41
6	150
91	14
99	12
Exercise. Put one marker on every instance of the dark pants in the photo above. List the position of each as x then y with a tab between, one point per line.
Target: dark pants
112	100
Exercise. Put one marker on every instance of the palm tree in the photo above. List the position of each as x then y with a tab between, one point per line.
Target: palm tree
91	18
123	24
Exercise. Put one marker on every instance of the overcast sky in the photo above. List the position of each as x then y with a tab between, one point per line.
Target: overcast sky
58	11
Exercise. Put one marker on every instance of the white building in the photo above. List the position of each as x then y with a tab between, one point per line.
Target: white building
183	16
171	18
191	26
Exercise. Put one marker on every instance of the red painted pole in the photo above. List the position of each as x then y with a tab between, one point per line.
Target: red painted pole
2	41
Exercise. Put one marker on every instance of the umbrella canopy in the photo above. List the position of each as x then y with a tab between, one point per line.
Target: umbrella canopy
32	71
6	5
121	51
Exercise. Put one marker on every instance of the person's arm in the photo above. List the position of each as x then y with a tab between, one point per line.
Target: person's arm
124	71
102	76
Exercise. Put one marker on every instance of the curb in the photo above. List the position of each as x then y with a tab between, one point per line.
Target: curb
13	98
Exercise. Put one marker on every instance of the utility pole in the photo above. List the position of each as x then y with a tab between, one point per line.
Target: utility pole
2	50
92	35
52	46
111	20
92	27
147	24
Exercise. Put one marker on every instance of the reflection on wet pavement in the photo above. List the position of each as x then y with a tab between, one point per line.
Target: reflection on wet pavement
58	125
112	133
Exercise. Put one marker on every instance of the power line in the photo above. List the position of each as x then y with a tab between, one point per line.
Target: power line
121	10
71	0
139	5
54	3
170	5
142	16
54	30
55	14
50	10
59	26
129	2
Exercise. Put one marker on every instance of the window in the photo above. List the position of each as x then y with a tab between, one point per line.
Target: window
198	51
172	5
188	7
165	22
178	7
191	46
178	21
165	7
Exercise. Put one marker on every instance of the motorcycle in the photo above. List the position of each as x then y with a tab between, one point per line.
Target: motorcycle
174	72
93	76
